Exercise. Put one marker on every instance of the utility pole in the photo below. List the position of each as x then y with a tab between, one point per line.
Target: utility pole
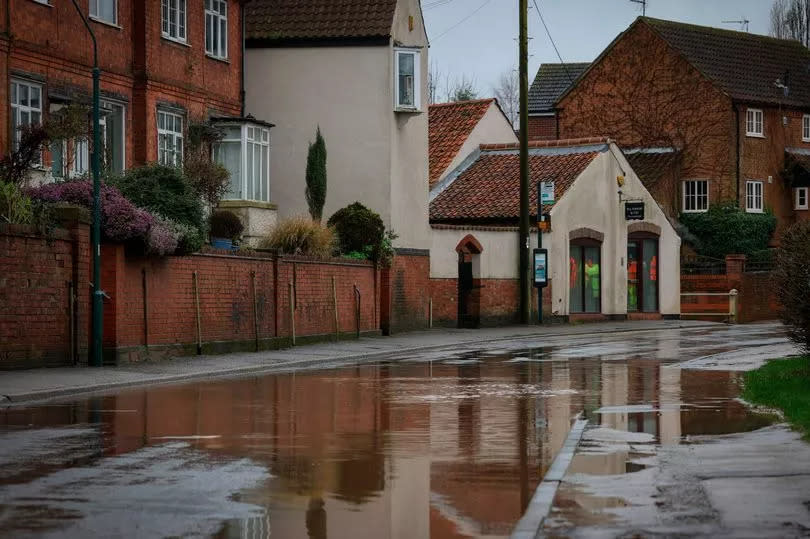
95	233
523	246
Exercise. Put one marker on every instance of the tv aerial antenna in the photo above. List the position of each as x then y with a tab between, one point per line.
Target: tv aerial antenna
742	22
643	6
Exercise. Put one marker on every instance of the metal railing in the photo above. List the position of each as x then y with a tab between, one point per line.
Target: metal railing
733	304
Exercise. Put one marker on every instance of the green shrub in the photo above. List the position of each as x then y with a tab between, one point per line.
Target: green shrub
162	190
791	280
225	224
15	206
359	229
727	229
301	236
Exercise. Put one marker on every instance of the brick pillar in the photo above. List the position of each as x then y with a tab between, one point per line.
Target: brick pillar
735	267
77	221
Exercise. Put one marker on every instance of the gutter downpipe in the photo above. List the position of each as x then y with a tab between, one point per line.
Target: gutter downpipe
95	242
737	145
242	61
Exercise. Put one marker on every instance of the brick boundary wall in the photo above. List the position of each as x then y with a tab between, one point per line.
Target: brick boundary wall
152	311
37	275
495	299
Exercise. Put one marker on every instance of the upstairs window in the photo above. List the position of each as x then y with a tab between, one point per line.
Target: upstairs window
753	196
695	196
806	128
216	28
170	138
26	109
406	79
104	10
245	152
753	123
802	198
174	19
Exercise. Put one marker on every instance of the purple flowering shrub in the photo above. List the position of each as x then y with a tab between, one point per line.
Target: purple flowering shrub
161	239
121	220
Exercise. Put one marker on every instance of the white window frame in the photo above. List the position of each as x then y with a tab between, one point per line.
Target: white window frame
417	82
796	204
108	106
94	14
215	19
18	109
170	153
754	123
251	137
695	196
754	196
806	128
174	30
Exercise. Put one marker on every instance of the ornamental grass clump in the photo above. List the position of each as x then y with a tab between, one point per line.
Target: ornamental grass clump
302	236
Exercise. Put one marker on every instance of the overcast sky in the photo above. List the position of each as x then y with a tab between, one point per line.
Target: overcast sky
478	38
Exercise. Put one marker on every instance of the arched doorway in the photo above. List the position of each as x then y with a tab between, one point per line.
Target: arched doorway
469	301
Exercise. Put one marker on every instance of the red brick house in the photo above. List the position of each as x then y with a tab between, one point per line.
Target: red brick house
715	115
164	64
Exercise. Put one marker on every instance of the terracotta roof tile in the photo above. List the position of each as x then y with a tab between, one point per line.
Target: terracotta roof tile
449	125
488	190
279	20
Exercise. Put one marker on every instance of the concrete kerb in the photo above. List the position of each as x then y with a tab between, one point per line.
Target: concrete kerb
529	526
345	360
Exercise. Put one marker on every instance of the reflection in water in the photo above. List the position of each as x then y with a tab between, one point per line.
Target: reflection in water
399	450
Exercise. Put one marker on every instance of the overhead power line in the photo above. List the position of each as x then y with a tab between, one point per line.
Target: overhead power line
462	21
565	67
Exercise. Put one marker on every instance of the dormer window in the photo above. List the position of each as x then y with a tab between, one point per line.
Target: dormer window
753	123
407	83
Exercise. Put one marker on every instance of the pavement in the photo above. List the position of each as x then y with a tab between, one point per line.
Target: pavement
28	386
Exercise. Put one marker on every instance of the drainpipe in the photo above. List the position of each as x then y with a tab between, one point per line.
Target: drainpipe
737	145
242	61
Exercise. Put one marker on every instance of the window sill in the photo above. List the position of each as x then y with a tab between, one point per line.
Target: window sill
754	135
104	22
242	203
217	58
174	41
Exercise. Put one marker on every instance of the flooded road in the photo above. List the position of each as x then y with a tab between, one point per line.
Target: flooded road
448	444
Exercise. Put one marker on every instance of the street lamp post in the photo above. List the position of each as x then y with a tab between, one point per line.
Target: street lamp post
95	237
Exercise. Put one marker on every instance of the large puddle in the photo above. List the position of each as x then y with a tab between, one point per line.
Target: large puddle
445	445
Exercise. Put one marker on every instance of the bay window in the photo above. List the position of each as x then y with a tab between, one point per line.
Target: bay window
245	152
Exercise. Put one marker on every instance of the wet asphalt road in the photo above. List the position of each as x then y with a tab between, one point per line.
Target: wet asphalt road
447	444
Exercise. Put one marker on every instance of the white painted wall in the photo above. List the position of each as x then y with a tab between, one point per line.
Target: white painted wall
493	128
374	155
592	202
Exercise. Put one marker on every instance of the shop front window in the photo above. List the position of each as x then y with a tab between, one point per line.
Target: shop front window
642	275
585	279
